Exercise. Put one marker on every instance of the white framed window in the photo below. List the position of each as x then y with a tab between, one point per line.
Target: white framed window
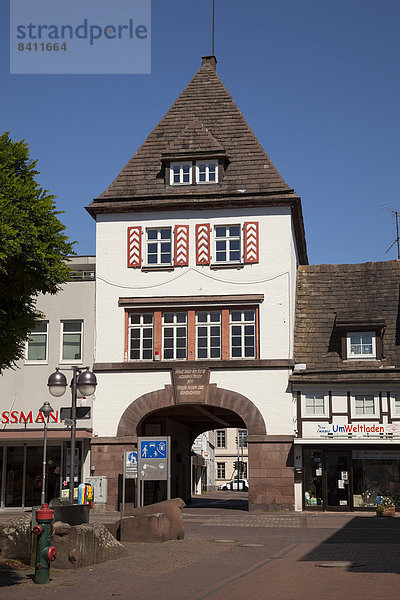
365	405
37	343
361	344
396	405
221	438
221	470
243	333
180	173
314	405
159	246
208	334
228	245
141	336
207	171
174	336
71	341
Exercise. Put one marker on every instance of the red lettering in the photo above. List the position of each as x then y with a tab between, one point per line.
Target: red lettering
53	417
5	417
348	428
14	416
39	418
25	418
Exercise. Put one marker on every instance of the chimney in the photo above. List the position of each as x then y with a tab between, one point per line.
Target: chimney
209	60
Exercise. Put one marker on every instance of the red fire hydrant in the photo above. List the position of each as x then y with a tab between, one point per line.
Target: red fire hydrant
45	553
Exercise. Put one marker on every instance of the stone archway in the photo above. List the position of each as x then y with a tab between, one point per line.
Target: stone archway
217	397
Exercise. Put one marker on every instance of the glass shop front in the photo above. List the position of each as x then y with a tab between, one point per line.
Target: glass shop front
340	478
21	471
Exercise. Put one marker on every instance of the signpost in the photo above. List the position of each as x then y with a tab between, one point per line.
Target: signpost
130	471
154	463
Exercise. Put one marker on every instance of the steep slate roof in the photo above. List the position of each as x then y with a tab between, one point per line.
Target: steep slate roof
203	114
331	296
207	100
194	139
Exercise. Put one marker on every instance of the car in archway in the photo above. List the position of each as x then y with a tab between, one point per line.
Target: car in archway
233	485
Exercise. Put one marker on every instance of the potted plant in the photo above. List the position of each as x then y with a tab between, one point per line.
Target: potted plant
386	507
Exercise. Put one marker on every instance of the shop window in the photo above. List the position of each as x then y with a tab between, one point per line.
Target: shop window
375	474
243	333
221	470
364	405
71	343
361	345
208	334
141	336
314	405
221	438
37	345
312	478
175	336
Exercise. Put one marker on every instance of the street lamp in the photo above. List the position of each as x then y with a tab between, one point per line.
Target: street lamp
46	410
83	381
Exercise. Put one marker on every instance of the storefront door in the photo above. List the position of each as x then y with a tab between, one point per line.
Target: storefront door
337	481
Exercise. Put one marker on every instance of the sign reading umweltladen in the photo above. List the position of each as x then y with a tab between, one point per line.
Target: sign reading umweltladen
190	385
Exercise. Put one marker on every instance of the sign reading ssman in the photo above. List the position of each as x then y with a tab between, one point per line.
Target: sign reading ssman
20	416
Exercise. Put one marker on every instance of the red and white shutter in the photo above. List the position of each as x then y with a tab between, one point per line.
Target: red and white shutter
251	243
203	250
181	235
134	246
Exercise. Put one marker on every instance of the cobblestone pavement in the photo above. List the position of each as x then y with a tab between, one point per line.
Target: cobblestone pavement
231	554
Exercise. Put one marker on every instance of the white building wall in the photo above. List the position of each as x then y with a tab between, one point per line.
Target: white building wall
273	276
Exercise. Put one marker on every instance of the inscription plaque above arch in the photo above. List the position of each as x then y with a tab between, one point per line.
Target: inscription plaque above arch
190	385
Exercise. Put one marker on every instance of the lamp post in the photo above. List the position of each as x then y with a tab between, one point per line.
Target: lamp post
84	381
46	410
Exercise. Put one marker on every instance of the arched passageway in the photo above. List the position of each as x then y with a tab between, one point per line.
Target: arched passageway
157	413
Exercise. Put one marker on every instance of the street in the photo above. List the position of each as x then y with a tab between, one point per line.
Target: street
229	553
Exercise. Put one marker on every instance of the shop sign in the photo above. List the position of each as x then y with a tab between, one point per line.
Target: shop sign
20	416
357	429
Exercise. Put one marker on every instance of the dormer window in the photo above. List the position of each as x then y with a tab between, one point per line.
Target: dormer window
207	172
180	173
194	172
361	345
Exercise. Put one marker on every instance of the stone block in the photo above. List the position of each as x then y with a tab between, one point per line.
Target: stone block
15	539
84	545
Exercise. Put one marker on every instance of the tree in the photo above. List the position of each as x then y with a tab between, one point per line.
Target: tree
33	248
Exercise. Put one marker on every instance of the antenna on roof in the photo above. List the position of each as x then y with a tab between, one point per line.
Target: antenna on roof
396	241
213	23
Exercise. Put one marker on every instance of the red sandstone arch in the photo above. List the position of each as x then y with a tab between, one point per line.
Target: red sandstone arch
153	401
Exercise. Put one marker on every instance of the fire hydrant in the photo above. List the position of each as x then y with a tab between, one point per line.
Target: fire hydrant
45	553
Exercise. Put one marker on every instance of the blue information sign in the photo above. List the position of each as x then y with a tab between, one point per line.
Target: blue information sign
132	458
153	449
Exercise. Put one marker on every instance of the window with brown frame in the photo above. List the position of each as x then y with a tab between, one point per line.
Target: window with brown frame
204	333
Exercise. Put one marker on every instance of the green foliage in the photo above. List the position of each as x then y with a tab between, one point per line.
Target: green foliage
33	248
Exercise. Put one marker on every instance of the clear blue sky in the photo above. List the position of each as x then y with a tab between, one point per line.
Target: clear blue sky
319	83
